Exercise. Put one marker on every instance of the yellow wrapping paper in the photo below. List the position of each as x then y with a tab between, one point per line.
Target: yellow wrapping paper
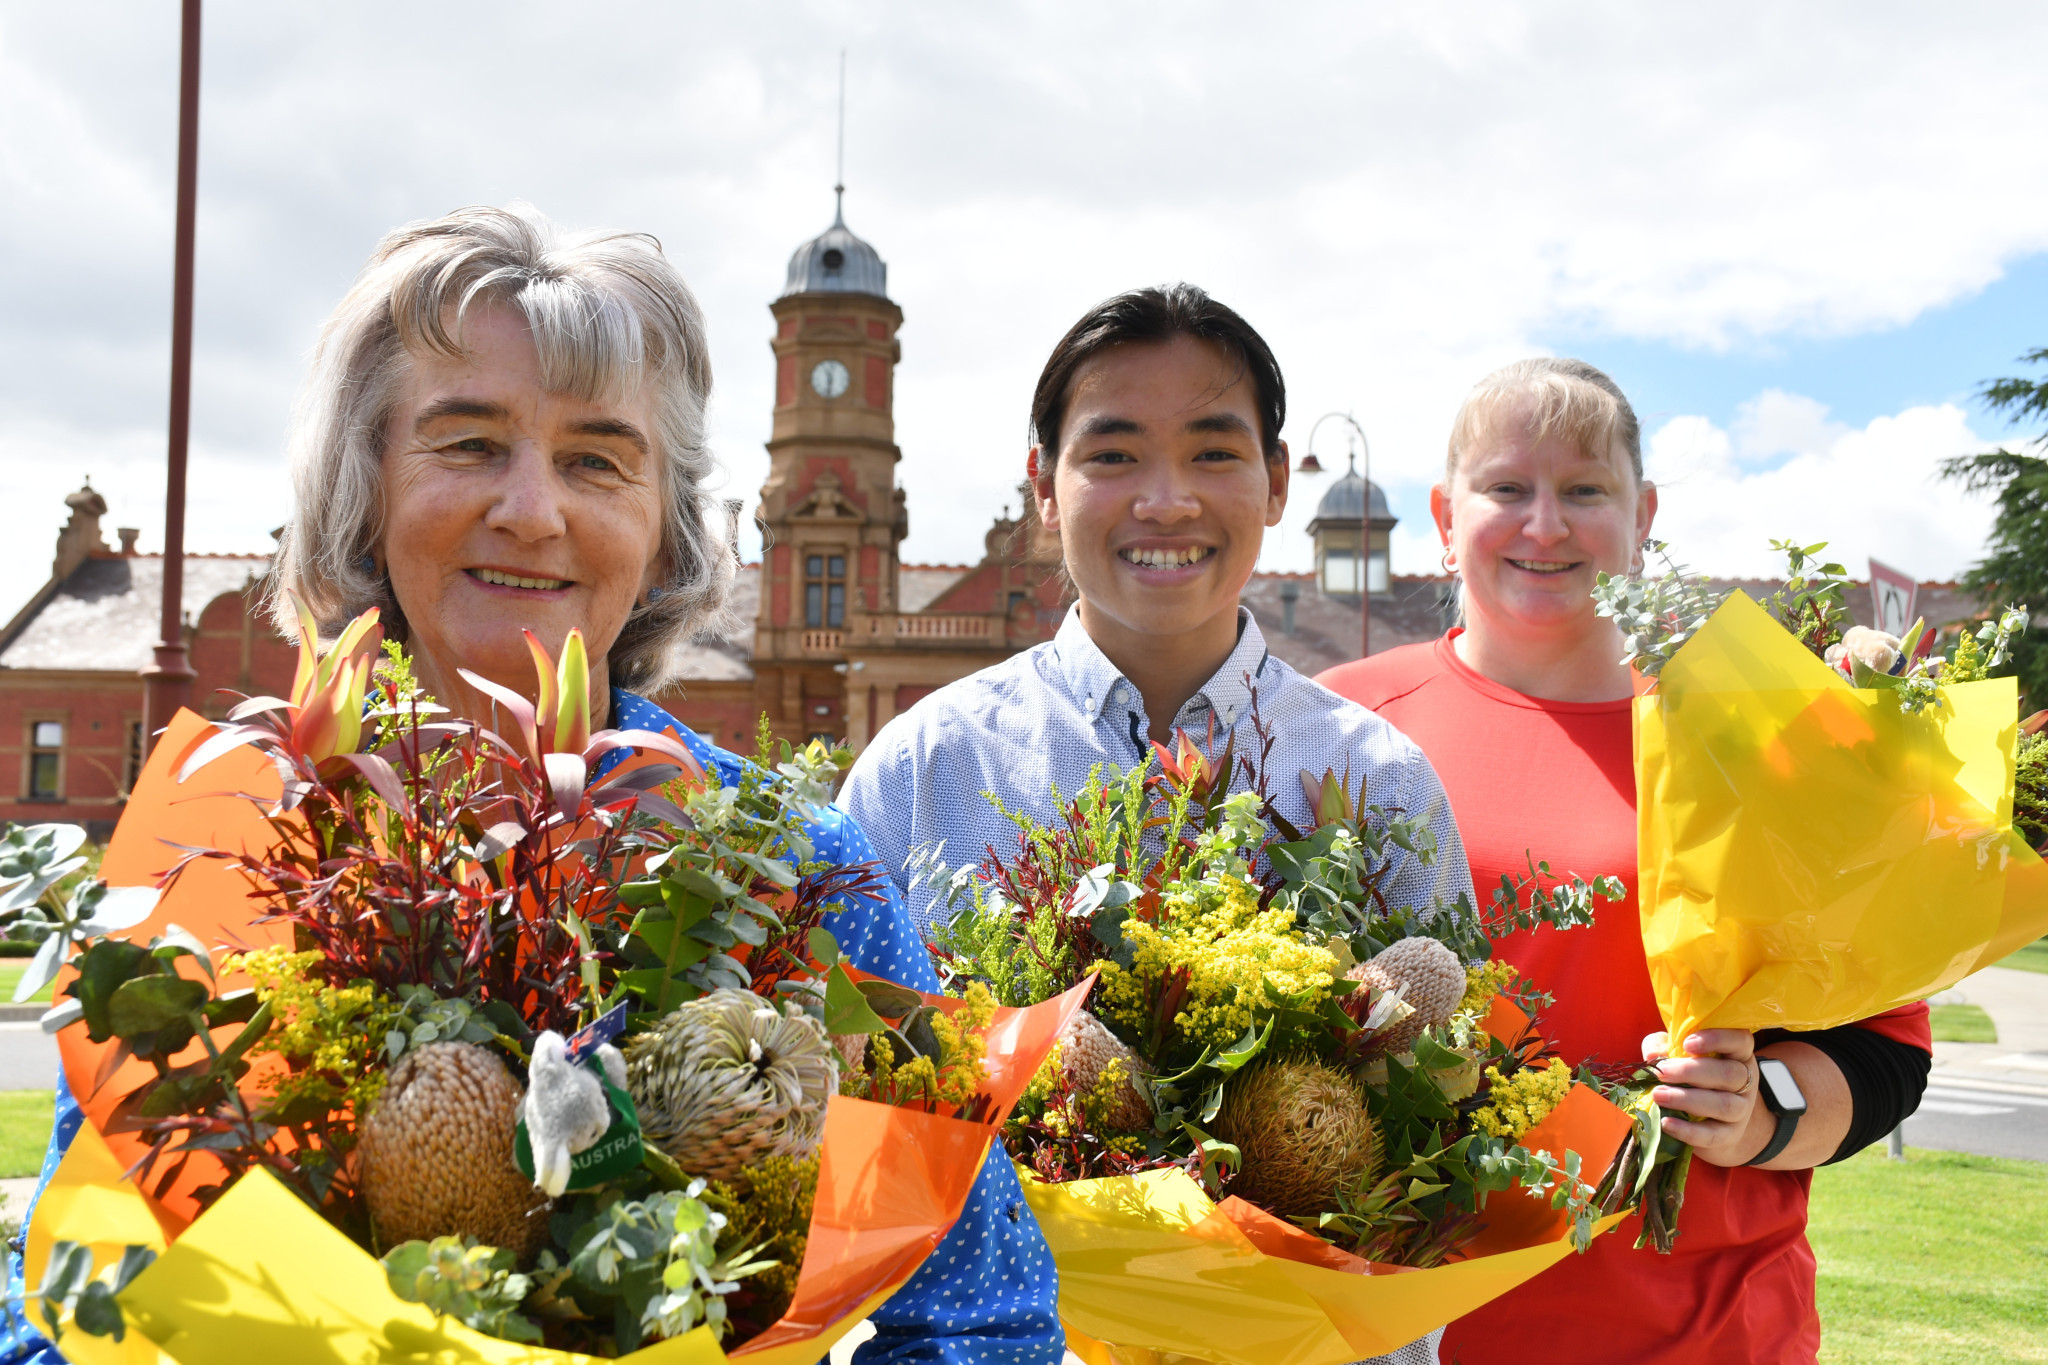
1809	854
1148	1263
1153	1273
262	1277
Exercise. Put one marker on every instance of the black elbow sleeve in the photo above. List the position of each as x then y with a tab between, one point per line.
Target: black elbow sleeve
1886	1078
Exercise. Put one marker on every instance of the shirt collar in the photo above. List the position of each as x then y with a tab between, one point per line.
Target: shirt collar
1092	679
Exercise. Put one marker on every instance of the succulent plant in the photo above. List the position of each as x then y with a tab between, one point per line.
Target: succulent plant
436	1153
1429	978
729	1080
1303	1130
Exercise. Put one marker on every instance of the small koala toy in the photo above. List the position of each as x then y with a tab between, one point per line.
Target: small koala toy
565	1108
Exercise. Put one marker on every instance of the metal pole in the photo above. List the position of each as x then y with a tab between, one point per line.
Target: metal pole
167	683
1364	542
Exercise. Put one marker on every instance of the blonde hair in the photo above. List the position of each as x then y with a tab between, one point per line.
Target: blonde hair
607	313
1550	397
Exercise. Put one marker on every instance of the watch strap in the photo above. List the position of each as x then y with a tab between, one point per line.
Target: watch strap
1788	1124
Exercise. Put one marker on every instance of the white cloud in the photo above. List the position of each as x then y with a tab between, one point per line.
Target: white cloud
1867	491
1399	198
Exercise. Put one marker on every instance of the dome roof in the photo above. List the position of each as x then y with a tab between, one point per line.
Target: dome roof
1345	501
837	262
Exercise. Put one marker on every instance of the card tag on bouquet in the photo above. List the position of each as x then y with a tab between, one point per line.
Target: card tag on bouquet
615	1154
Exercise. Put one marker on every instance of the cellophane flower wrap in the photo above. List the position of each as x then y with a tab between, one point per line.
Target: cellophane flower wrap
1826	814
428	1047
1297	1124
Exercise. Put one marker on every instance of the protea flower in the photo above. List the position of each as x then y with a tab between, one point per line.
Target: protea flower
1303	1130
1429	977
1086	1049
729	1080
436	1153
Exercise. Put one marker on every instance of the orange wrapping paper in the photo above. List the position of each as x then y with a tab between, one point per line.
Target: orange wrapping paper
262	1267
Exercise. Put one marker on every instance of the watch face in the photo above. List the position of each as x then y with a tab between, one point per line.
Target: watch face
829	379
1780	1089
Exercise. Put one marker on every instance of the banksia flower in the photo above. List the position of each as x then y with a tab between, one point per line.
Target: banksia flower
1303	1130
1086	1048
728	1081
436	1153
1430	979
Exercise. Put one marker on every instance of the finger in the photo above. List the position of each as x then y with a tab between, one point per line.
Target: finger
1722	1042
1706	1105
1655	1045
1701	1136
1706	1073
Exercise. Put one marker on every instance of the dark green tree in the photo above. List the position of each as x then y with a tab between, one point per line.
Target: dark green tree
2015	567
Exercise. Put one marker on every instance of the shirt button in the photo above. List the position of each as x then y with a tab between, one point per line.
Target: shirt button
1123	694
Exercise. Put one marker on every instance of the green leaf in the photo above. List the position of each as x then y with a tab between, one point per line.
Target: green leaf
176	942
148	1003
102	969
824	948
236	1007
98	1314
890	1000
846	1009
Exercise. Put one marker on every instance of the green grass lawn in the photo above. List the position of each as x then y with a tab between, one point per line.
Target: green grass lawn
1962	1024
2032	958
1939	1259
11	969
25	1118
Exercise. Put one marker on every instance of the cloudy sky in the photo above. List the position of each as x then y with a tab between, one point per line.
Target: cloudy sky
1799	236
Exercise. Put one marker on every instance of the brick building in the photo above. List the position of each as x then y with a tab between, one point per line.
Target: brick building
71	661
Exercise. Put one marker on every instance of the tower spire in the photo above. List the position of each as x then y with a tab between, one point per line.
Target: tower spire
839	181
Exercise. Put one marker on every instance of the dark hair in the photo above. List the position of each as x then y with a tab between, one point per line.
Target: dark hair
1156	315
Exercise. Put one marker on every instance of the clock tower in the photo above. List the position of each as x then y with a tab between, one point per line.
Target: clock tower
831	513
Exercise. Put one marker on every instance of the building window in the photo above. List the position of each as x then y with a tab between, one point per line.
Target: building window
46	754
825	591
1340	571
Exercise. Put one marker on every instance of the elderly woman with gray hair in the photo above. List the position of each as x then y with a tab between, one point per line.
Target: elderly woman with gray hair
504	431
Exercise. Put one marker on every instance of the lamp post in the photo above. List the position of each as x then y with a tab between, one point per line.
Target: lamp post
1311	465
167	682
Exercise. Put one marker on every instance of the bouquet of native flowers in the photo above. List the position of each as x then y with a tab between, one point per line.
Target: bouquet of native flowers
1362	1085
1834	821
578	1063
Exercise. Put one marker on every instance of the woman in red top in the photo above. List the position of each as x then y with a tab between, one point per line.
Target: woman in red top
1525	714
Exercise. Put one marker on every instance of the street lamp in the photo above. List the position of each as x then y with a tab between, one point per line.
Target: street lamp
167	681
1310	465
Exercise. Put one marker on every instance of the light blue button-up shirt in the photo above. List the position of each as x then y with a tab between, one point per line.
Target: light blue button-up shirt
1045	717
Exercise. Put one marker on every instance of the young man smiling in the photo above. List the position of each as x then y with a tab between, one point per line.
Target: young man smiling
1157	459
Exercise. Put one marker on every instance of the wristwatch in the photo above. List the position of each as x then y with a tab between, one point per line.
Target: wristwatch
1781	1095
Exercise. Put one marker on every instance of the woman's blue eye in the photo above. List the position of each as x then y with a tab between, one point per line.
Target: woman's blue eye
596	462
476	444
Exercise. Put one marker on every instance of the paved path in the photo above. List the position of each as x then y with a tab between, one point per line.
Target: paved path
1992	1098
28	1057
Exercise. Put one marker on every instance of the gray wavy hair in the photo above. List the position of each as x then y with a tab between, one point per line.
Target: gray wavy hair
607	312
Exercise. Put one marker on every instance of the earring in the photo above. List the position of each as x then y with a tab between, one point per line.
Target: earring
1449	561
1642	560
653	596
368	564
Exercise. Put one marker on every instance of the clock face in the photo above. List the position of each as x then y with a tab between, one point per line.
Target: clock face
829	379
